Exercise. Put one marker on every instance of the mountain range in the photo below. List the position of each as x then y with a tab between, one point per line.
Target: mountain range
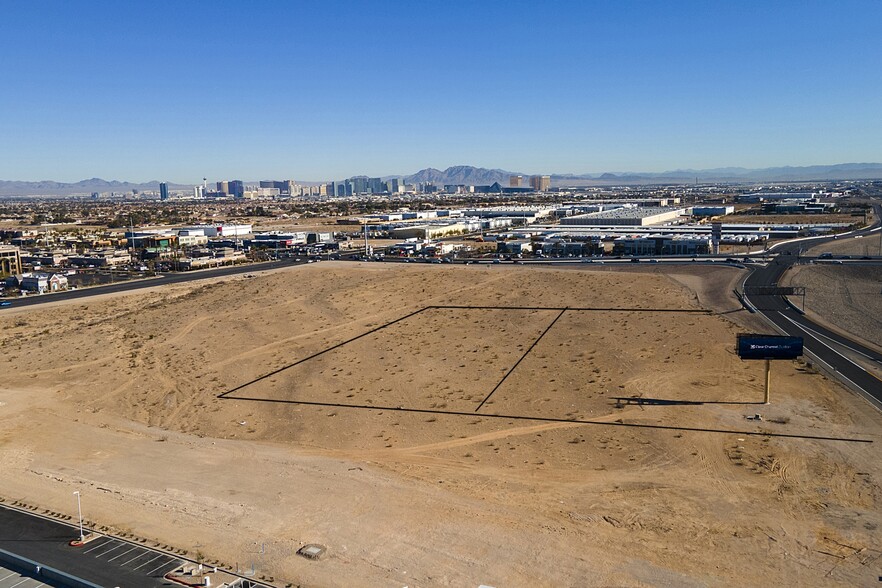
469	175
83	187
842	171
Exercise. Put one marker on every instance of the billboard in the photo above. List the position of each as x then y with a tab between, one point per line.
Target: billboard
768	347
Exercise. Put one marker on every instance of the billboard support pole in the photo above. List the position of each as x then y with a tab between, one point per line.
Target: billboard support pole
768	379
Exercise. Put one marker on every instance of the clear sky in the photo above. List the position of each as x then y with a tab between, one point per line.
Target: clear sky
178	90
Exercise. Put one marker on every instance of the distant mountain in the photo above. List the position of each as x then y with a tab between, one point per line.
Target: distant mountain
842	171
83	187
460	174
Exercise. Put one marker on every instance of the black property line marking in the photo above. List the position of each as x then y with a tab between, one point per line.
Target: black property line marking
555	420
454	307
322	352
518	362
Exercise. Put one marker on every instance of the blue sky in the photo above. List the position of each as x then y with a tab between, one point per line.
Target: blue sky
323	90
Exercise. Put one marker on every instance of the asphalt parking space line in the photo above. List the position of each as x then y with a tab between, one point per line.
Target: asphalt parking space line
98	555
99	546
164	565
150	561
123	553
137	557
9	576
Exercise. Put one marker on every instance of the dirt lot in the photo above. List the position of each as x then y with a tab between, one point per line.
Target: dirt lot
558	479
320	224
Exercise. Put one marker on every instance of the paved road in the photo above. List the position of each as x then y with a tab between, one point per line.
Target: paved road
105	561
820	341
173	278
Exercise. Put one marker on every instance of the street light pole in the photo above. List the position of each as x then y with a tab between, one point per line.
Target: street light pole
80	514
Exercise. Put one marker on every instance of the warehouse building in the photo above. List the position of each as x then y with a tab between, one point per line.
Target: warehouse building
561	248
712	210
661	245
429	232
627	216
517	247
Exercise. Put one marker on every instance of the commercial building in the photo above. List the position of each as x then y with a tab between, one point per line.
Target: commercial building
429	232
42	283
766	196
626	216
515	181
221	230
529	213
375	186
192	240
163	191
39	258
660	245
712	210
562	248
284	187
796	207
517	247
277	240
10	260
103	258
237	188
200	259
540	183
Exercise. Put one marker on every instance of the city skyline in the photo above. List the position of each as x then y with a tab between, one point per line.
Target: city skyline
121	91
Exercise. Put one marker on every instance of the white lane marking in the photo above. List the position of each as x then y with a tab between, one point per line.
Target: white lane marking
863	393
149	560
22	582
836	371
9	576
834	341
164	565
123	553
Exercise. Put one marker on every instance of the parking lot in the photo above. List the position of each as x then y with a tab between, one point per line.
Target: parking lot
12	579
134	559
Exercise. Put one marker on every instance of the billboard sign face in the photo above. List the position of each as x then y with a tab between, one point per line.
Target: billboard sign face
768	347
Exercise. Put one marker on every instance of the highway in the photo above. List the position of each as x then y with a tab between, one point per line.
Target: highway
162	280
823	344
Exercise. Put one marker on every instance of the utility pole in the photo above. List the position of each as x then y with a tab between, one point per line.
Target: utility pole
80	515
367	251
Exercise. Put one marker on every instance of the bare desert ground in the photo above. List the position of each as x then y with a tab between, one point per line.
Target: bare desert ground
376	410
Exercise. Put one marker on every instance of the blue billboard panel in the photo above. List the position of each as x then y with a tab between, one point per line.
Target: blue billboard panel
768	347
